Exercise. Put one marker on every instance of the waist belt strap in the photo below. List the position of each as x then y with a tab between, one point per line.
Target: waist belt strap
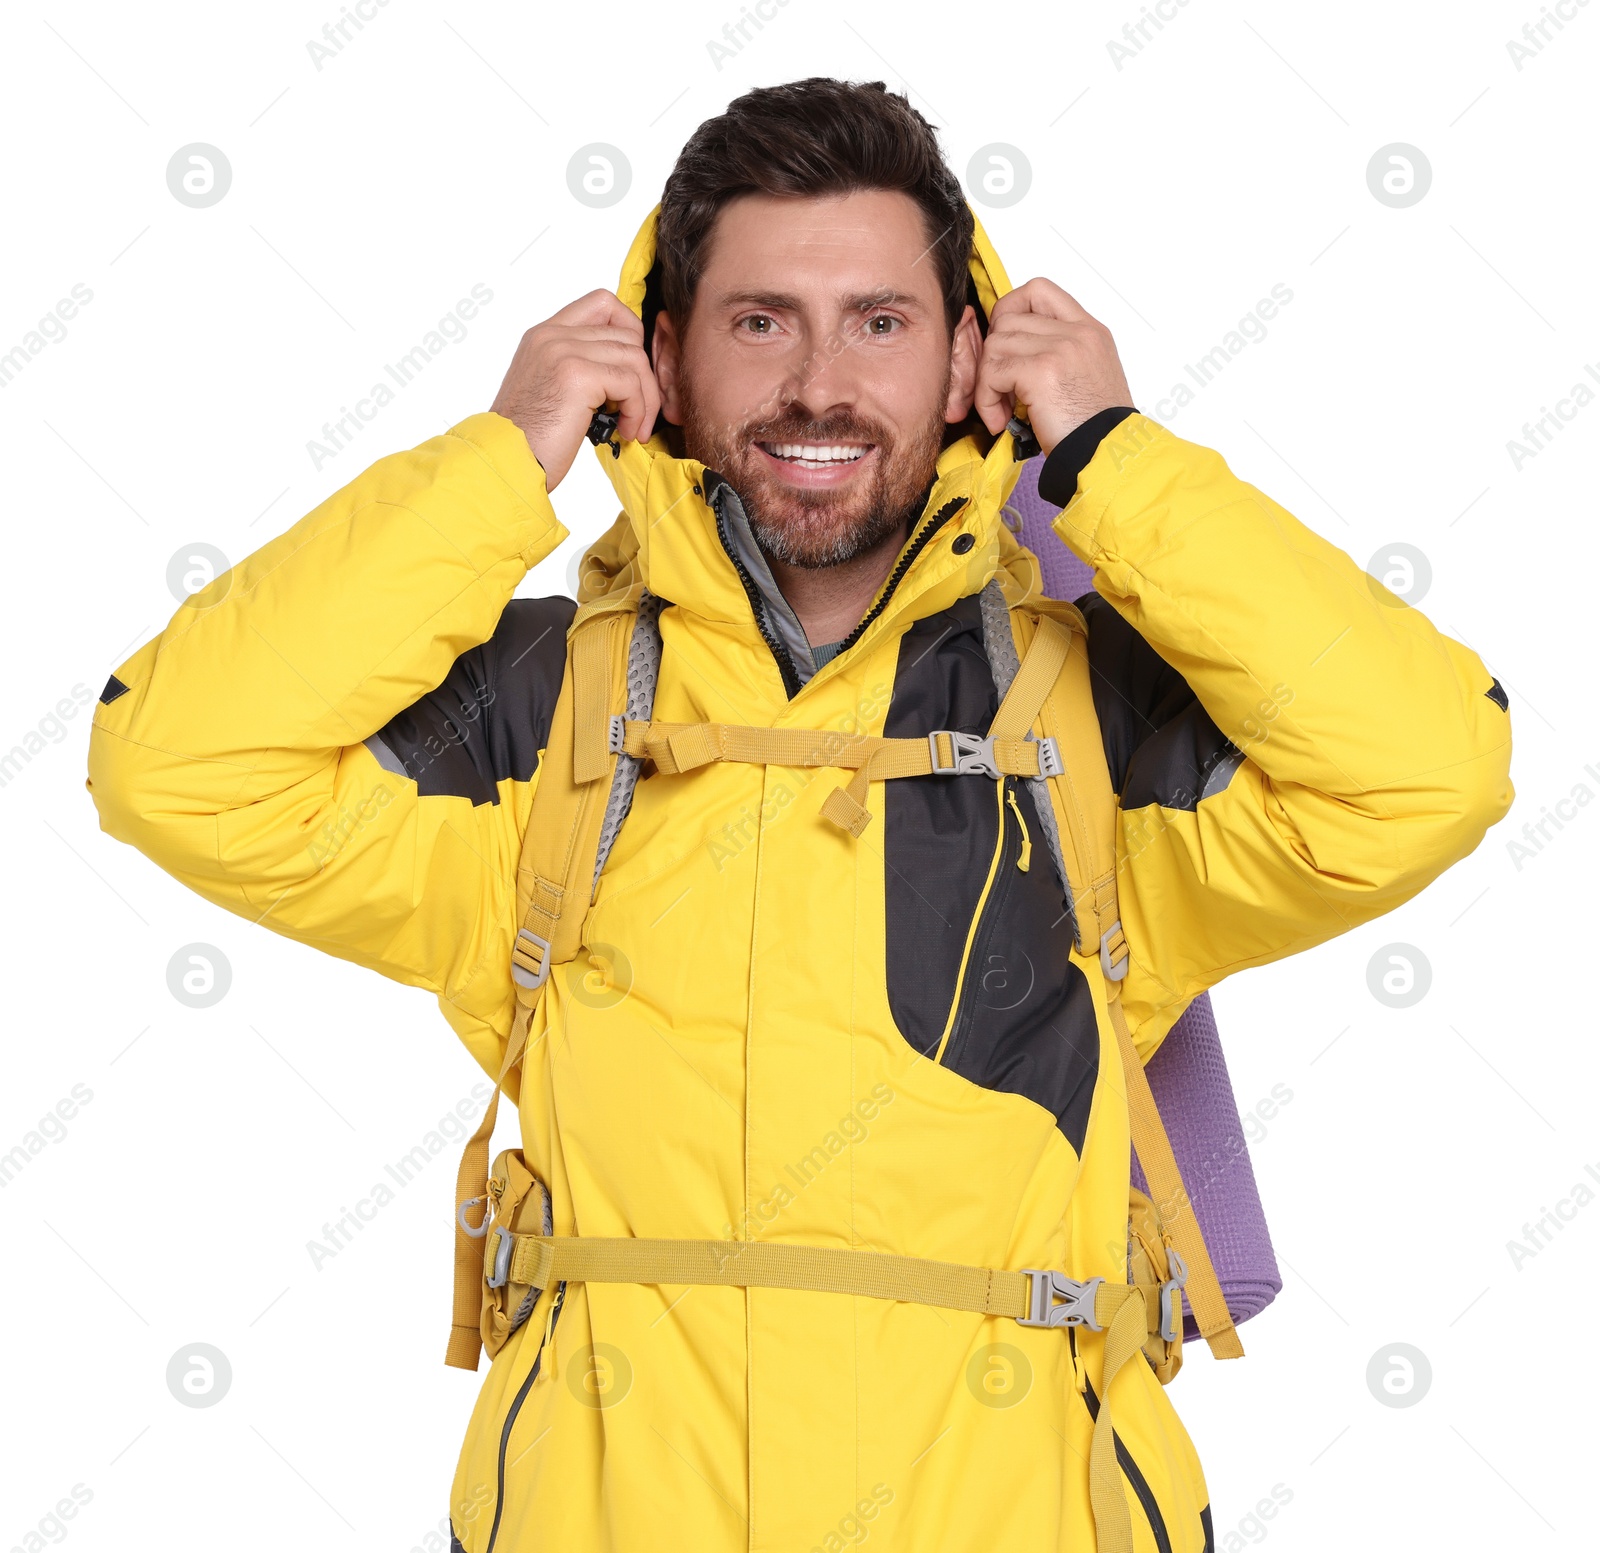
540	1260
1032	1297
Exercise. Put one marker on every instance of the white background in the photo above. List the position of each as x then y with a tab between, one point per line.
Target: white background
1228	155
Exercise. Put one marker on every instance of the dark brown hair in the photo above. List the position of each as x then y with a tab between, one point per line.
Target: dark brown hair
812	138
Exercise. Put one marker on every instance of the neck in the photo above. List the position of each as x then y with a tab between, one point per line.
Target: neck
829	601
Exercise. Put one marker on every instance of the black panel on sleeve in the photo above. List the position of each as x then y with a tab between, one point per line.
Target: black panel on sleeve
490	718
1161	745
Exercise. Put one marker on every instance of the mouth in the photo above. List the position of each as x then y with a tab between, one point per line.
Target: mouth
817	463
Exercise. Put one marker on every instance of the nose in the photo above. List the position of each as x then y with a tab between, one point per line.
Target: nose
826	381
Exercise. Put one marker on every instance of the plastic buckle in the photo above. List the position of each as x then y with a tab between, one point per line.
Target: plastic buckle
461	1218
1050	764
1171	1306
528	978
971	754
502	1259
1120	969
618	734
1055	1300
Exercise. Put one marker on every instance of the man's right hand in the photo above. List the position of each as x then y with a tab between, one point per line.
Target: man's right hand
566	368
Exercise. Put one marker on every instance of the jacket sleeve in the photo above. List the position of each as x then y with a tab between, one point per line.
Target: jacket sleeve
233	749
1314	751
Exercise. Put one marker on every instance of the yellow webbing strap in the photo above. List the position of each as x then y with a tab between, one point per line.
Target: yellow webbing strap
595	649
540	1260
1203	1290
1088	806
1113	1525
472	1175
555	880
1034	680
679	747
1125	1312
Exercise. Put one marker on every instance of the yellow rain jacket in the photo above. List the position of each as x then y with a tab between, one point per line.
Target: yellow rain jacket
778	1031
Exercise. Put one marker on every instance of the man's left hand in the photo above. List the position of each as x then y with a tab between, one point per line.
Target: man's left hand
1043	350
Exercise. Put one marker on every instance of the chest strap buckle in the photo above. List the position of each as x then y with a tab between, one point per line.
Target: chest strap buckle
971	754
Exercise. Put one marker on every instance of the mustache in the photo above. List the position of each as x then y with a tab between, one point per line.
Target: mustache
799	428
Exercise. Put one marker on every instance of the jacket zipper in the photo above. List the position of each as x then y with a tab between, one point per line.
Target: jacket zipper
1130	1468
986	918
516	1408
901	567
979	912
780	653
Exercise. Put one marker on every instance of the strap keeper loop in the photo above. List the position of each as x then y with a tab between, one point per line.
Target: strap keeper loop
540	954
1171	1305
1118	969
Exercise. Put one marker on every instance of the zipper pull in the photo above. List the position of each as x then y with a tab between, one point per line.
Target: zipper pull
1080	1375
1027	841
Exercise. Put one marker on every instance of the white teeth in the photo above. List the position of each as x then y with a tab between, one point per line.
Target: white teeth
816	454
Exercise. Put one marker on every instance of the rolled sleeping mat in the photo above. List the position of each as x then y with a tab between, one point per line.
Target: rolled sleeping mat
1188	1074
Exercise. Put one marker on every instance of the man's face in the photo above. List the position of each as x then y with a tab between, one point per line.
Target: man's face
817	372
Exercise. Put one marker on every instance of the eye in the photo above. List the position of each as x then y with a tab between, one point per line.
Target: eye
881	318
759	318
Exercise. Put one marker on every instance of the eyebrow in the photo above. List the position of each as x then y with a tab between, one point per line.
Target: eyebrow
782	301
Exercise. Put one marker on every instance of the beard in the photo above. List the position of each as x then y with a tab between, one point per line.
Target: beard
813	529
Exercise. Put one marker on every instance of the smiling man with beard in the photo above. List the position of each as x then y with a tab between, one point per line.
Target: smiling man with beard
813	391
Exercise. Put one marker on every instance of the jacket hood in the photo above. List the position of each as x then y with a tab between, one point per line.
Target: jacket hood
679	529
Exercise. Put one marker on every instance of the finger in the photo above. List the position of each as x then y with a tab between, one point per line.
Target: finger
601	307
1041	296
603	334
631	386
1018	326
992	397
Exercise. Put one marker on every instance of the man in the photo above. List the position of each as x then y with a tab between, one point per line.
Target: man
781	1029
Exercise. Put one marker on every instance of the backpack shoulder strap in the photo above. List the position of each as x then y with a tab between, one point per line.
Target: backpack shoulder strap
1050	684
585	785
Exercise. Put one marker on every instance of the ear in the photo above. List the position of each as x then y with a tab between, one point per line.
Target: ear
667	358
966	351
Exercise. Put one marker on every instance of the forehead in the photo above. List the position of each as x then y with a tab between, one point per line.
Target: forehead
821	250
